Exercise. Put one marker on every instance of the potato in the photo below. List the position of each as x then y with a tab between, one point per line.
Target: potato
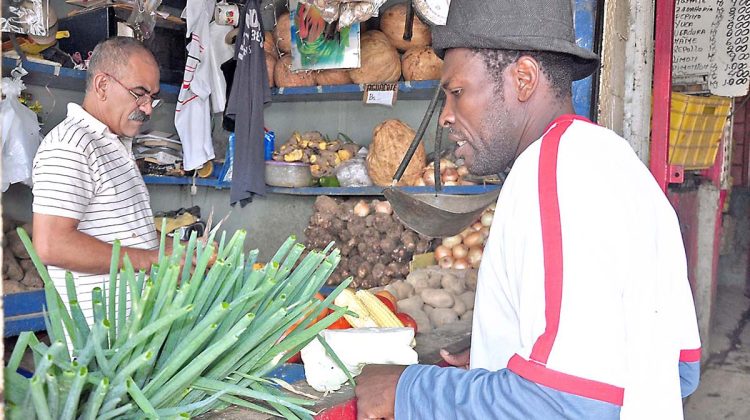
423	321
442	316
410	305
470	278
435	279
437	298
453	284
16	246
10	286
32	280
428	309
459	307
467	316
419	275
14	271
400	289
468	299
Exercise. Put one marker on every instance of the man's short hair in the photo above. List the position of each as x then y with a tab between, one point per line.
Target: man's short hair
557	67
112	56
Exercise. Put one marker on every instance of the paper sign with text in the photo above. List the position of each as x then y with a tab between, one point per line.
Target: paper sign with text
381	94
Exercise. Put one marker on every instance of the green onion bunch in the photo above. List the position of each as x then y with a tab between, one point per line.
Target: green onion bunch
193	338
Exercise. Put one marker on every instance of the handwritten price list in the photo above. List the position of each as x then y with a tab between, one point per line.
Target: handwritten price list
730	67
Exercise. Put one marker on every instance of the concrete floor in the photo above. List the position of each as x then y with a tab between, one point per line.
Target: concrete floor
724	391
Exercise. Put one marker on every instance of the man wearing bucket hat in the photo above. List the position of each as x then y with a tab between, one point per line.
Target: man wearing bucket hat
583	307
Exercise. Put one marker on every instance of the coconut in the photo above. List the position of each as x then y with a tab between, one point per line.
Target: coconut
379	61
393	22
282	33
390	141
421	63
333	77
269	44
270	67
283	75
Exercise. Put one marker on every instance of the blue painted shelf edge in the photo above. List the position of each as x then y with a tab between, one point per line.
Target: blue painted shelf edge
373	190
412	89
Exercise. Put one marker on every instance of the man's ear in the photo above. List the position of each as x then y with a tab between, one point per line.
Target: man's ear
525	77
99	85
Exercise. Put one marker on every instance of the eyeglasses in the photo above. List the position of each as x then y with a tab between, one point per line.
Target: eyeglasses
140	98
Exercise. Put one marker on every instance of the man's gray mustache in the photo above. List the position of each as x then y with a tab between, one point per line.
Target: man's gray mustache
139	116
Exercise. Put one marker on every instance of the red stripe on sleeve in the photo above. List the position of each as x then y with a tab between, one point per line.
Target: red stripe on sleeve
689	356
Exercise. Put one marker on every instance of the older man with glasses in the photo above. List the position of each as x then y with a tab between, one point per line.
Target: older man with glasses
88	192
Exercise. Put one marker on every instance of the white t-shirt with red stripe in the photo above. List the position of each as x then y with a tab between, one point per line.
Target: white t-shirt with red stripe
587	291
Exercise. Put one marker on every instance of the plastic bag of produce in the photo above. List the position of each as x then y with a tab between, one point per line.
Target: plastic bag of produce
353	172
20	135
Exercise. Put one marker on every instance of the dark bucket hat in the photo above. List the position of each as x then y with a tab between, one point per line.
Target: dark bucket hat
526	25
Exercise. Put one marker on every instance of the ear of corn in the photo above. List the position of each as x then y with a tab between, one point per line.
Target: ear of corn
196	337
371	312
378	311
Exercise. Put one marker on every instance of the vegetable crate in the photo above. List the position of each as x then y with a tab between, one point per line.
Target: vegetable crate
696	127
23	312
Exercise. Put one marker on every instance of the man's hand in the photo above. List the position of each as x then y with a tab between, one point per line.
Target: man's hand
376	391
460	360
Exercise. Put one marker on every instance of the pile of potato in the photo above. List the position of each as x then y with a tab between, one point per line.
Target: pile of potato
375	246
435	297
312	147
19	274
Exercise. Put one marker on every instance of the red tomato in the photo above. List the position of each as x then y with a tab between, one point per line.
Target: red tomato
297	358
340	324
408	321
387	302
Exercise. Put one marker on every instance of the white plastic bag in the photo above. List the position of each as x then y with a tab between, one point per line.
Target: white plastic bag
353	172
20	135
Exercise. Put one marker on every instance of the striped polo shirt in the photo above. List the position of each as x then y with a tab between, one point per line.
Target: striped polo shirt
84	171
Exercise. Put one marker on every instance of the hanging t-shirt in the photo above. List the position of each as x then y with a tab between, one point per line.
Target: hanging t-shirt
192	117
249	93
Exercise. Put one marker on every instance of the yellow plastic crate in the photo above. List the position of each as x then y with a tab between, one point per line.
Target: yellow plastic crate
695	129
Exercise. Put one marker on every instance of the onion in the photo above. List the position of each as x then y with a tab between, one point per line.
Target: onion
446	262
474	256
452	241
460	264
462	182
445	163
485	231
486	218
450	175
473	239
429	177
462	171
383	207
477	226
419	182
460	251
442	251
450	183
362	209
466	232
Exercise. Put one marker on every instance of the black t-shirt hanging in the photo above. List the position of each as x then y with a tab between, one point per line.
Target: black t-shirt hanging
249	93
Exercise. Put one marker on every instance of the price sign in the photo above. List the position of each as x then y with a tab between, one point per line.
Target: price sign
381	94
730	67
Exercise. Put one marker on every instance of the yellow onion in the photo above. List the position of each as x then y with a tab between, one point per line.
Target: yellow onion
474	256
442	251
460	251
452	241
473	239
362	209
446	262
460	263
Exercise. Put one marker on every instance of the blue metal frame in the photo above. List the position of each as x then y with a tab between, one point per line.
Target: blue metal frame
585	22
23	312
